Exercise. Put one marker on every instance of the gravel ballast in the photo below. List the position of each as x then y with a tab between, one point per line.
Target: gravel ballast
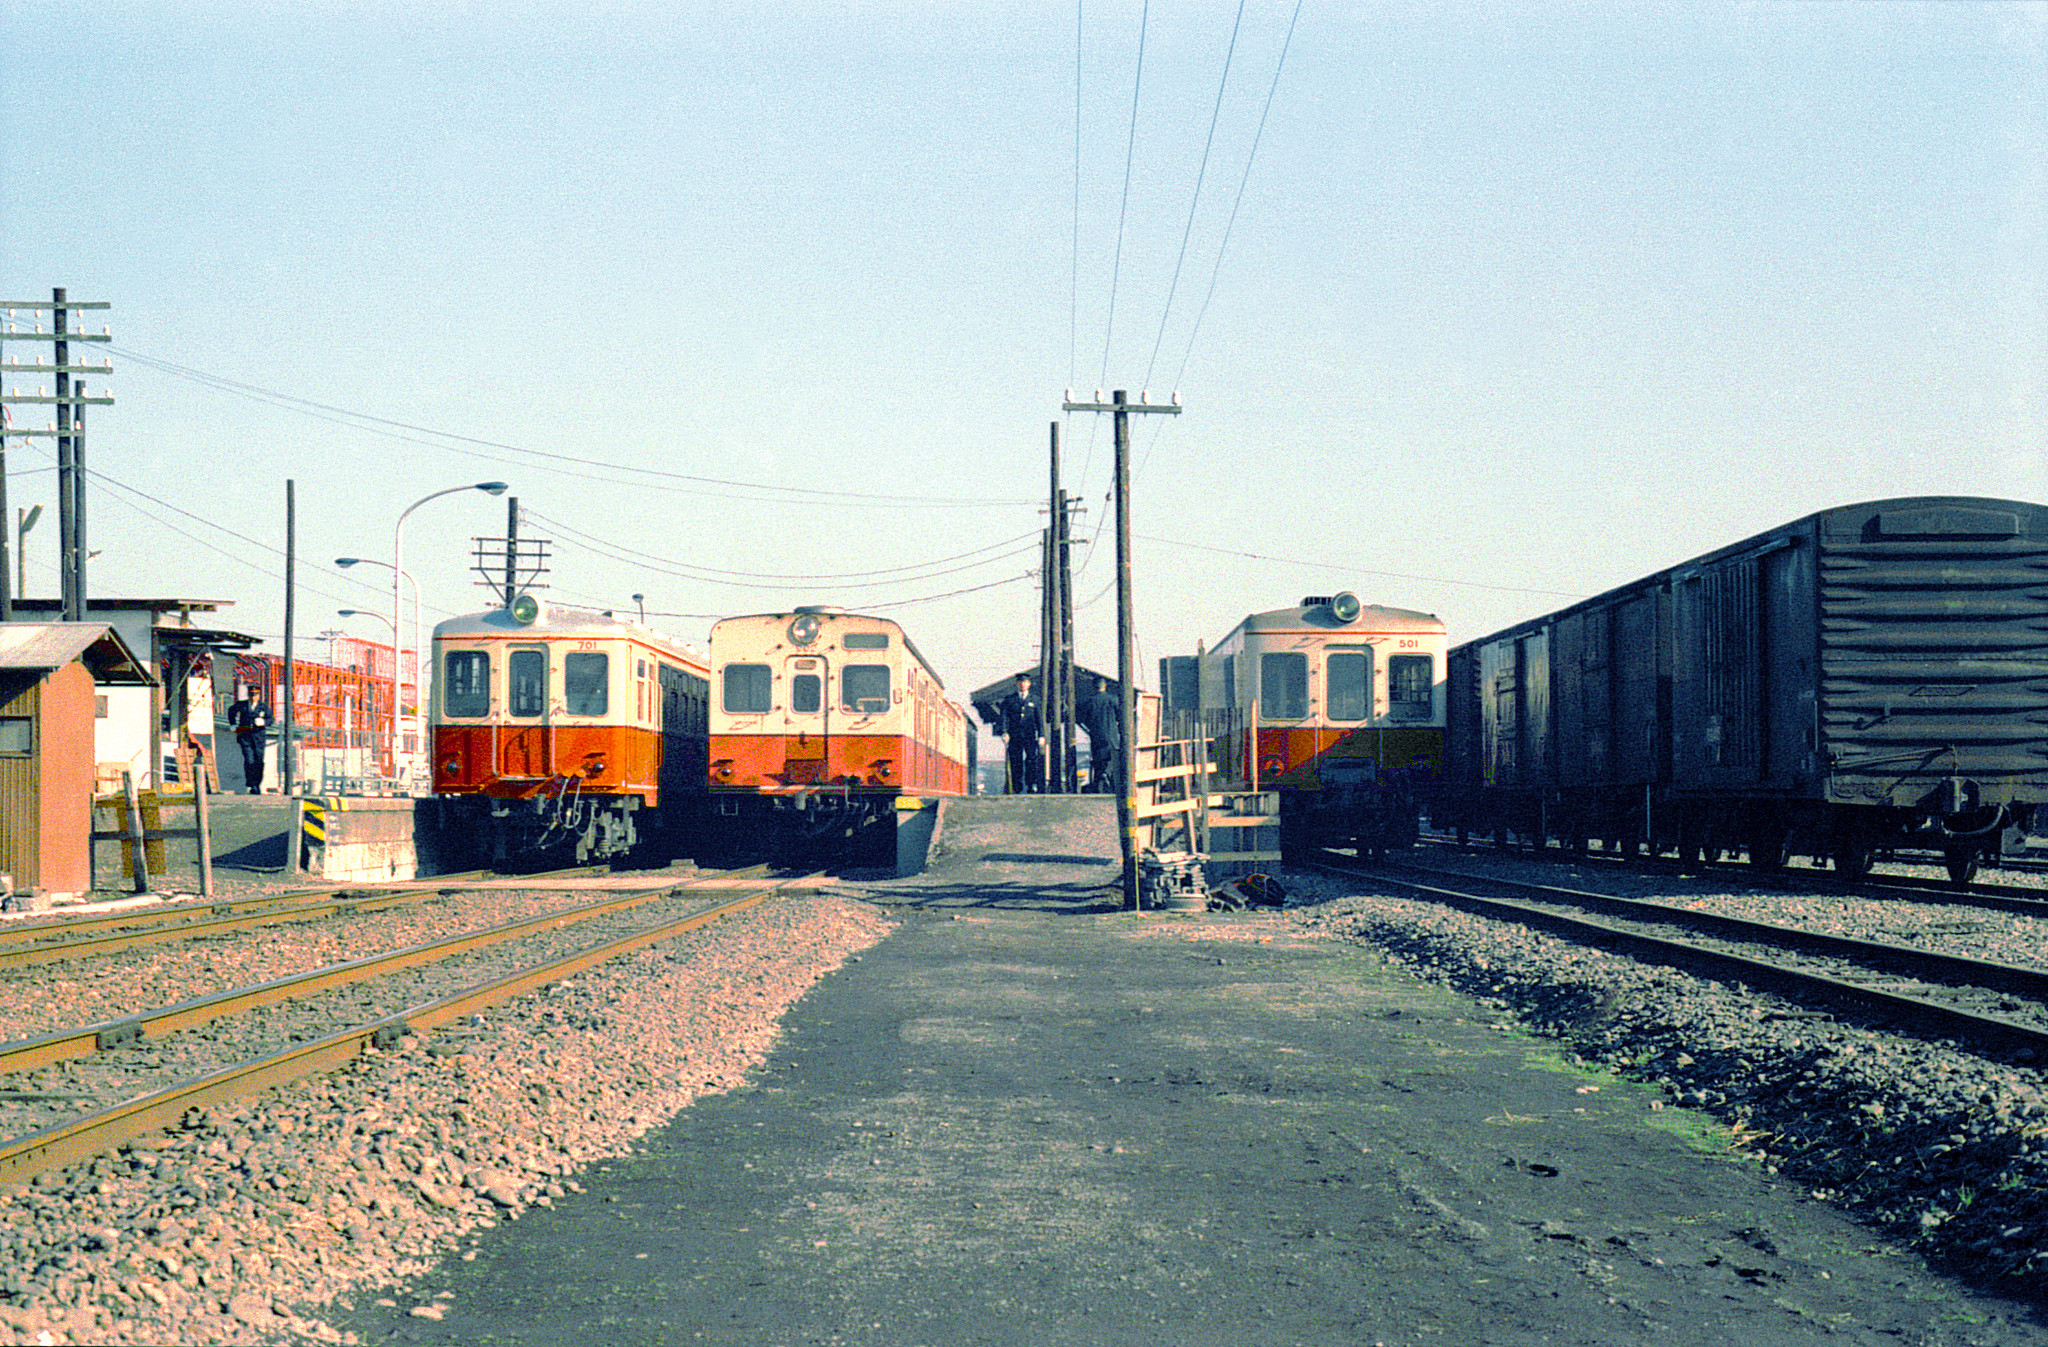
1940	1148
245	1223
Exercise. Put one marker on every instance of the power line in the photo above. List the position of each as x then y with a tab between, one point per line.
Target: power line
1195	200
770	575
1362	570
367	421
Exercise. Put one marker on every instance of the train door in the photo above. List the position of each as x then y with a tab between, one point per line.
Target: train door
529	754
807	720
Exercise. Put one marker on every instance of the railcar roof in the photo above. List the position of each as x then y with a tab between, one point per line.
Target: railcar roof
1317	618
838	615
555	621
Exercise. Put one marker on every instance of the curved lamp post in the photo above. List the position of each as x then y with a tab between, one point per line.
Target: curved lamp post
398	571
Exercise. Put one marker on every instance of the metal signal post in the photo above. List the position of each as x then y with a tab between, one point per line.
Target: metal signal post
1127	802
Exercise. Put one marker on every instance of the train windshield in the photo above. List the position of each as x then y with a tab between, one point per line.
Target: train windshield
466	683
1408	687
527	683
746	689
1349	676
1283	685
586	683
864	688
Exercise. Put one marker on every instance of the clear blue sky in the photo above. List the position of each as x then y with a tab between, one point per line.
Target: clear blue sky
1519	302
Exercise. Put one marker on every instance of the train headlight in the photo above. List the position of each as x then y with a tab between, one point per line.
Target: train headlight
451	767
525	610
722	769
1345	606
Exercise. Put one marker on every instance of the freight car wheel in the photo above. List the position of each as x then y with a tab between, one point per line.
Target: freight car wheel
1852	862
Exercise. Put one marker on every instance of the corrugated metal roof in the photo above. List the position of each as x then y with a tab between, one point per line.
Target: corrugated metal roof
51	645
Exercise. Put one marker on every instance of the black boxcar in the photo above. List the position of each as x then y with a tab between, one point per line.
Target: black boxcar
1867	677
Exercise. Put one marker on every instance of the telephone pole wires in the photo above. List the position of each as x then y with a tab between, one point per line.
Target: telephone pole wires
69	432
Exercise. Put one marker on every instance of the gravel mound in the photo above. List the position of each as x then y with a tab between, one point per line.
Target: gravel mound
1937	1147
256	1214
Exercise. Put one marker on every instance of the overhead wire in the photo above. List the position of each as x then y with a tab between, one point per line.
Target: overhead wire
368	421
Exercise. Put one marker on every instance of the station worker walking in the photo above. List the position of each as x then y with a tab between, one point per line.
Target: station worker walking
1023	722
249	718
1103	717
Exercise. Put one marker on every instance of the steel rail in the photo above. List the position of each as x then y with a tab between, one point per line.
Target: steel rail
133	930
62	1045
1925	965
1994	897
102	1130
1988	1033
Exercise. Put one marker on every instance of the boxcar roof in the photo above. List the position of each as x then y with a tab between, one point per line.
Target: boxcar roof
1895	516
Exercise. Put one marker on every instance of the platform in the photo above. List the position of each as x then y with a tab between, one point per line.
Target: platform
1023	1121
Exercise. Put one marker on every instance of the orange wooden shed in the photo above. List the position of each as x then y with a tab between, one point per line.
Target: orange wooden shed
49	673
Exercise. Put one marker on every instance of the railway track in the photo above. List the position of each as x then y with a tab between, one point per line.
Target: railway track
2025	900
28	944
1997	1008
77	1092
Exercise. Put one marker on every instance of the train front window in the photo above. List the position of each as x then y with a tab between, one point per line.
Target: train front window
586	683
746	689
806	694
1283	685
466	683
1409	687
526	692
864	688
1348	674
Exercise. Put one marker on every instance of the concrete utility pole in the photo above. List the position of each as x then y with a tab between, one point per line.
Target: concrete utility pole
1127	806
69	432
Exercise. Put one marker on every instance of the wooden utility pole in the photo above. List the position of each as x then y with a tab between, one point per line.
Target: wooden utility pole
287	744
1127	802
69	432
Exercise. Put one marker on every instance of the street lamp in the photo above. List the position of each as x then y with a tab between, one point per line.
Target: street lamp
397	637
398	569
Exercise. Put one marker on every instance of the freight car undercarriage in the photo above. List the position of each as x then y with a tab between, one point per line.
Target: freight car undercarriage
1768	831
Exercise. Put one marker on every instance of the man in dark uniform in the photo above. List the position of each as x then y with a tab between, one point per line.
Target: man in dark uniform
1023	722
1103	717
249	718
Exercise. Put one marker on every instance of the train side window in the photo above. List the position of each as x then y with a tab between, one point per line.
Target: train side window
527	683
466	683
1409	685
806	694
1348	674
746	689
586	683
864	688
1283	685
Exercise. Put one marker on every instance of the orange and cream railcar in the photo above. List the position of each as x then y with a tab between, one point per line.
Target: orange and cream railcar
1339	707
563	734
821	722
